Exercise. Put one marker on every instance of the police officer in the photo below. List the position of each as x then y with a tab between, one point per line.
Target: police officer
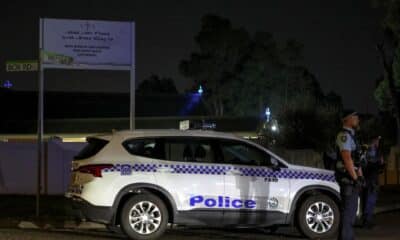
371	173
348	173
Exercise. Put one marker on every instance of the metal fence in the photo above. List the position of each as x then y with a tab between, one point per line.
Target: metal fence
18	167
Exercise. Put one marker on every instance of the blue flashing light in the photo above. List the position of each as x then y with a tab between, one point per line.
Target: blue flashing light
192	101
7	84
200	91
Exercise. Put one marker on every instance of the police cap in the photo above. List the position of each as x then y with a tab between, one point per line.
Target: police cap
348	113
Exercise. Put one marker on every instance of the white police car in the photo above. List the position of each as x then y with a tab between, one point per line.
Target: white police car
142	180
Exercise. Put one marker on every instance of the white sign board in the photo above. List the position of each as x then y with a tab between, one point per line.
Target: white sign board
184	125
87	42
22	66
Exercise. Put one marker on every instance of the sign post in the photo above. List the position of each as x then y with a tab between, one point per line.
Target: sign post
83	44
132	84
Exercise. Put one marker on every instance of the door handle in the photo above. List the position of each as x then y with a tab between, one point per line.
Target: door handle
235	172
164	170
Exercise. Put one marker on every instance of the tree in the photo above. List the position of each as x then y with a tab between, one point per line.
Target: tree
270	75
387	92
307	124
334	100
220	49
154	85
249	89
242	74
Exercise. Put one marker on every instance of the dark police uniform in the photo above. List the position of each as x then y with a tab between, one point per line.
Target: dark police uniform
348	190
370	193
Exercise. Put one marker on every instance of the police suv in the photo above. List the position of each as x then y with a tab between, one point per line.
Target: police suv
143	180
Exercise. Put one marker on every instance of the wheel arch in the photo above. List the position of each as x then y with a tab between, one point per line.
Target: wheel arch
141	188
304	193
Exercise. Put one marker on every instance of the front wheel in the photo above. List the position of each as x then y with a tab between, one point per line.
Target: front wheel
144	217
318	217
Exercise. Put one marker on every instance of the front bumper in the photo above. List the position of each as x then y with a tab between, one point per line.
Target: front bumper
93	213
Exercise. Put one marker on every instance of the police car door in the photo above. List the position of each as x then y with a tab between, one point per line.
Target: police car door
195	182
256	195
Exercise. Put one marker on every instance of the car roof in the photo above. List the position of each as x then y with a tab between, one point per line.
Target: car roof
140	133
174	133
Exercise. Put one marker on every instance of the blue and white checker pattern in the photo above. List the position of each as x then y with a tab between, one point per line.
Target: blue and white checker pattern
292	174
198	169
222	170
256	172
134	167
287	174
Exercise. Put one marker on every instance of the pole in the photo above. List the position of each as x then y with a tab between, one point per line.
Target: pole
40	122
132	81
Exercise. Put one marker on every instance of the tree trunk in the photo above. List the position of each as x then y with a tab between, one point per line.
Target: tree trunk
388	68
221	108
215	106
218	107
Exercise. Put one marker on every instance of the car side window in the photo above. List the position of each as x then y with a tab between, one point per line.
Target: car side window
236	152
189	150
151	148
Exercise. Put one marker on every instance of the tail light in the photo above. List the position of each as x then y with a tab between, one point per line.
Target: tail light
95	170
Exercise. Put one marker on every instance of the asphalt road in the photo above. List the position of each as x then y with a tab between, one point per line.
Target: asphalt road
387	228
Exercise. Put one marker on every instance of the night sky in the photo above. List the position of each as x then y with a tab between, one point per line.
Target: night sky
339	38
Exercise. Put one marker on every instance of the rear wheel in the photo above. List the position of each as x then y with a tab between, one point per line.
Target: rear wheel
318	217
144	217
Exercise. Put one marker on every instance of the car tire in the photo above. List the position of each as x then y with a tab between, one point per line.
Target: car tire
144	217
318	217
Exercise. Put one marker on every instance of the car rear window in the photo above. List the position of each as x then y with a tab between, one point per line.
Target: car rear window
149	147
92	148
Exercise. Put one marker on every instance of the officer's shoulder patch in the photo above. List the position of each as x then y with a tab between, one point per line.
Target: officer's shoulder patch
343	138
